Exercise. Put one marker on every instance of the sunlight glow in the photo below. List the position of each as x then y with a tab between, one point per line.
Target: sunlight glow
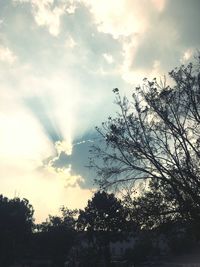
64	146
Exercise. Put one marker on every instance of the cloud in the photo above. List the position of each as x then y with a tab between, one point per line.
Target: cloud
108	58
74	165
184	16
63	173
159	4
63	146
167	40
187	55
46	13
128	23
70	43
126	18
6	55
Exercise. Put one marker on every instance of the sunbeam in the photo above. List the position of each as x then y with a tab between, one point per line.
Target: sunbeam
42	114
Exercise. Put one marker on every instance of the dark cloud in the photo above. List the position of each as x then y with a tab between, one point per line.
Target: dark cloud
79	160
185	17
172	32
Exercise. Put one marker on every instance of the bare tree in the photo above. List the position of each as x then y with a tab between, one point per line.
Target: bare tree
156	137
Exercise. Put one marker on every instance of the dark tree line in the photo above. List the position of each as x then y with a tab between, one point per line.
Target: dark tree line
83	237
103	220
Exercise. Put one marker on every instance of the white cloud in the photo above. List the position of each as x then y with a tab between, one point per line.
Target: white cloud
71	7
70	43
159	4
6	55
187	55
123	18
129	22
63	189
64	146
119	18
116	17
109	58
21	1
46	14
64	174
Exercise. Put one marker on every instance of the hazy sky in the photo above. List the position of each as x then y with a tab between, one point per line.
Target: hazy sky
59	61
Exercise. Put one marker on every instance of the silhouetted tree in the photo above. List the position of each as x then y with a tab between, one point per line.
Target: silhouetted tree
155	137
55	237
16	222
105	220
152	208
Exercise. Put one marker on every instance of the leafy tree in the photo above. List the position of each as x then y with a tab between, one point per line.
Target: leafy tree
155	137
16	223
105	220
103	213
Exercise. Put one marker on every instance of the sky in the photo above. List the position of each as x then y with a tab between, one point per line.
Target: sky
59	61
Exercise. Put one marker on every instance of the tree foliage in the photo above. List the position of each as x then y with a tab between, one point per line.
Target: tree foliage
16	223
105	220
155	139
104	213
